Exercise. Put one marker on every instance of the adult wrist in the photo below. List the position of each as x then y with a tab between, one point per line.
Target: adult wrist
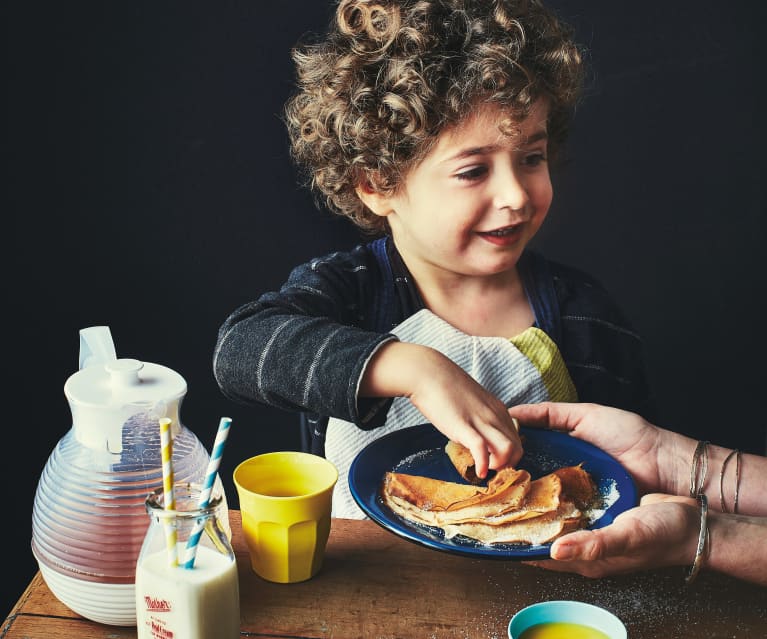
675	455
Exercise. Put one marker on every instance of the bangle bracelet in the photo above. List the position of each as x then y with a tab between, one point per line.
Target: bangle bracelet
702	539
737	482
735	452
699	468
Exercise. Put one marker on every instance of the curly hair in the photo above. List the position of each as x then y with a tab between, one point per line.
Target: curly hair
392	74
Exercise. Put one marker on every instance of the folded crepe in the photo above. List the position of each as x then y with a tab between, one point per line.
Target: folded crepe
461	458
538	530
436	502
510	509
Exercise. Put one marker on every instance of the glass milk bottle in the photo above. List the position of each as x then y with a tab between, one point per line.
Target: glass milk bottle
178	602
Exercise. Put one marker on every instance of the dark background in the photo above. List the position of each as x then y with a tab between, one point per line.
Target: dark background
151	191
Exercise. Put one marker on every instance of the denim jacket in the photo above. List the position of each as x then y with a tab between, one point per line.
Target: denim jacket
305	347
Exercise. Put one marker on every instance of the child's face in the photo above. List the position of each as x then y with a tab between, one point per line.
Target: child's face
474	202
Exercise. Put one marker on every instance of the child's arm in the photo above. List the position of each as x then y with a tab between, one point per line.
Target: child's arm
304	348
448	397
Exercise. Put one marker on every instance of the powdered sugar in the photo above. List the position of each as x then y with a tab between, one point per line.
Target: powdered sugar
608	490
416	459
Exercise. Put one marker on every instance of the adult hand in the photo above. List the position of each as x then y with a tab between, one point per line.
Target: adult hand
662	531
634	442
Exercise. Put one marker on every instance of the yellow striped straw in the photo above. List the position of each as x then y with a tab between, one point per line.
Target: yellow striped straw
166	453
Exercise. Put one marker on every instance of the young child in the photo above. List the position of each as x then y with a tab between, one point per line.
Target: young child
431	124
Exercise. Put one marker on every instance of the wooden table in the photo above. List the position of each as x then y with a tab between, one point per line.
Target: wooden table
374	584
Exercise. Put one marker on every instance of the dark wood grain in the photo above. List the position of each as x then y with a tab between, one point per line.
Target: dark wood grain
374	584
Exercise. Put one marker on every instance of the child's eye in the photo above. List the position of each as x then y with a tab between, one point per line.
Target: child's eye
474	173
534	159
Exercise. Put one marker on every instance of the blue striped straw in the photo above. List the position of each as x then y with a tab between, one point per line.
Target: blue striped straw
169	500
210	478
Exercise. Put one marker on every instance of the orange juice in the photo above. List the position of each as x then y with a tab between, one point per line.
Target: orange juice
562	630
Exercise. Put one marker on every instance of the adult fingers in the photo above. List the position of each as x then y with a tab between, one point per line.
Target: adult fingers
656	498
591	545
554	415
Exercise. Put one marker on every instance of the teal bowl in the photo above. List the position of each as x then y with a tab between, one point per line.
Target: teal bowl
568	612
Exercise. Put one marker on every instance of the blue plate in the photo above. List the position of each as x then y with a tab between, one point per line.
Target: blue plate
419	450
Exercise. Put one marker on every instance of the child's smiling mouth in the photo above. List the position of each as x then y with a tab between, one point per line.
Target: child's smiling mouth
502	236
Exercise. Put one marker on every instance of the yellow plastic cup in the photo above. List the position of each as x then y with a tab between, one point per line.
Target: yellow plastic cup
285	502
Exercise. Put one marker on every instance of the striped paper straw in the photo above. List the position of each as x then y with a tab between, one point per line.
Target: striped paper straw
169	500
210	478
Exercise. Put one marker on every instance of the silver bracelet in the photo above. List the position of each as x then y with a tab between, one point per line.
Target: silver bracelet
737	482
735	452
699	468
702	540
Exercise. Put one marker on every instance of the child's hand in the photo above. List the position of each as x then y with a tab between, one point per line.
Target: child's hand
449	398
468	414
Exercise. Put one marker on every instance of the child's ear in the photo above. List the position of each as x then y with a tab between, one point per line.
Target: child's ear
379	203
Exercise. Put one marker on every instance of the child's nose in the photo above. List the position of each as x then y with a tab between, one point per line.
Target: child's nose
510	192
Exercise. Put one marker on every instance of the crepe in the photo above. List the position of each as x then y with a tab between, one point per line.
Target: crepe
436	502
533	531
461	458
510	509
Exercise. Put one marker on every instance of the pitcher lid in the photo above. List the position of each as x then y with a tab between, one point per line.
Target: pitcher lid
124	381
103	380
107	393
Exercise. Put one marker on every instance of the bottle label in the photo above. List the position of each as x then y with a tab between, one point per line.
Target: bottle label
173	602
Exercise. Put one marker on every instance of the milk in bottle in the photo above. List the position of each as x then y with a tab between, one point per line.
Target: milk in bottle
175	602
